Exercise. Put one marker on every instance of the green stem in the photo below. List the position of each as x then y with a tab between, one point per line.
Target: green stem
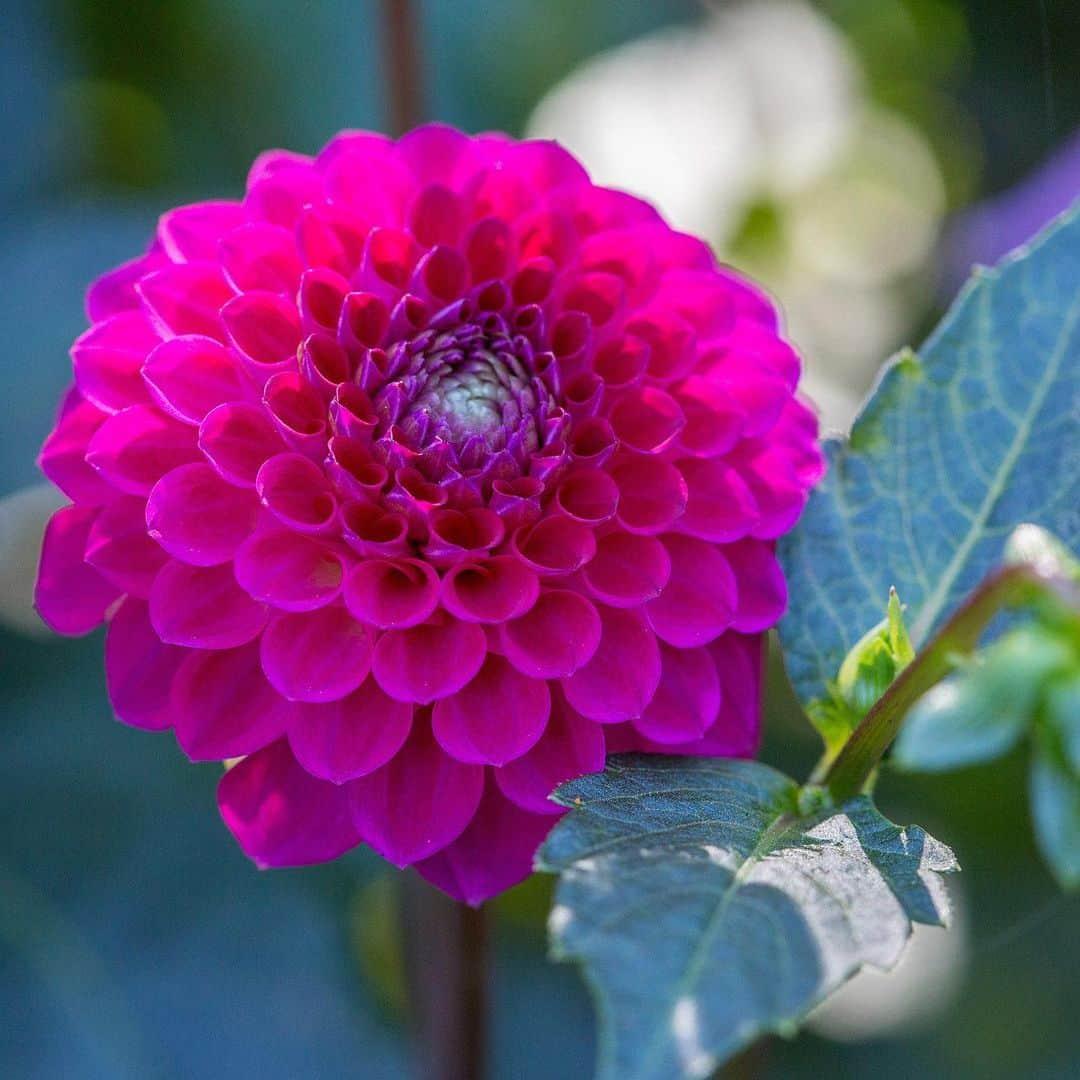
1006	587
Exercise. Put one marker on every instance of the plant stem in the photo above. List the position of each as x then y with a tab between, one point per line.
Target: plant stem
445	967
960	634
401	60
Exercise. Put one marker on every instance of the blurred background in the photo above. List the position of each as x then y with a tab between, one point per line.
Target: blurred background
857	156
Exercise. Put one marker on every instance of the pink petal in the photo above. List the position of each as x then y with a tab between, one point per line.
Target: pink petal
495	852
671	342
259	257
108	358
555	545
489	590
119	548
647	419
140	668
289	570
191	233
588	496
720	505
199	518
186	298
237	439
202	607
63	457
71	596
223	706
418	802
392	593
115	291
341	740
571	746
135	448
296	491
621	678
318	655
265	328
298	412
699	601
714	420
554	638
282	816
652	494
191	375
686	701
761	586
436	216
497	717
628	569
427	662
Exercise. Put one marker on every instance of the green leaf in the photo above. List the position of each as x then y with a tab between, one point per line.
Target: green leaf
705	912
955	447
868	670
1055	808
985	709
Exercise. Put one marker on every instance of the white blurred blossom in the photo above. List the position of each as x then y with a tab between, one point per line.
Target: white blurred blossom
23	515
753	131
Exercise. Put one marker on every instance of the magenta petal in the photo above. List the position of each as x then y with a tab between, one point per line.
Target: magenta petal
237	439
202	607
740	662
652	495
223	706
63	457
720	506
761	585
495	718
621	678
489	590
119	548
495	852
686	701
265	328
186	298
427	662
392	593
418	802
289	570
71	596
282	816
554	638
140	668
700	598
108	359
571	746
628	570
318	655
191	233
115	291
138	446
341	740
199	518
191	375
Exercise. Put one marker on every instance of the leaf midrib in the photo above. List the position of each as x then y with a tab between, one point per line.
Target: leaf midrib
935	603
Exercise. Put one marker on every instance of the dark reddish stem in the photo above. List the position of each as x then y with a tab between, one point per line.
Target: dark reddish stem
446	970
401	59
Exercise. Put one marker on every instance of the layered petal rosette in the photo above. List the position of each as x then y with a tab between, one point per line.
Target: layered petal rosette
418	480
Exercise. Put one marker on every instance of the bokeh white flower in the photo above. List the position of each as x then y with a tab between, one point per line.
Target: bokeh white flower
753	129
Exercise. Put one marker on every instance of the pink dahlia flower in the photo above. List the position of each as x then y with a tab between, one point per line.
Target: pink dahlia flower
419	479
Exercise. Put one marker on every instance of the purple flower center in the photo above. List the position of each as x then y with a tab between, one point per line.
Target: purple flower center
462	394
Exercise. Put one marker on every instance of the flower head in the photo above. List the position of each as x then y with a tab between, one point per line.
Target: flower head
419	479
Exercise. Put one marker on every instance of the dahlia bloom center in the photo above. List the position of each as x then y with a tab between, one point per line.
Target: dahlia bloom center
459	395
419	480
